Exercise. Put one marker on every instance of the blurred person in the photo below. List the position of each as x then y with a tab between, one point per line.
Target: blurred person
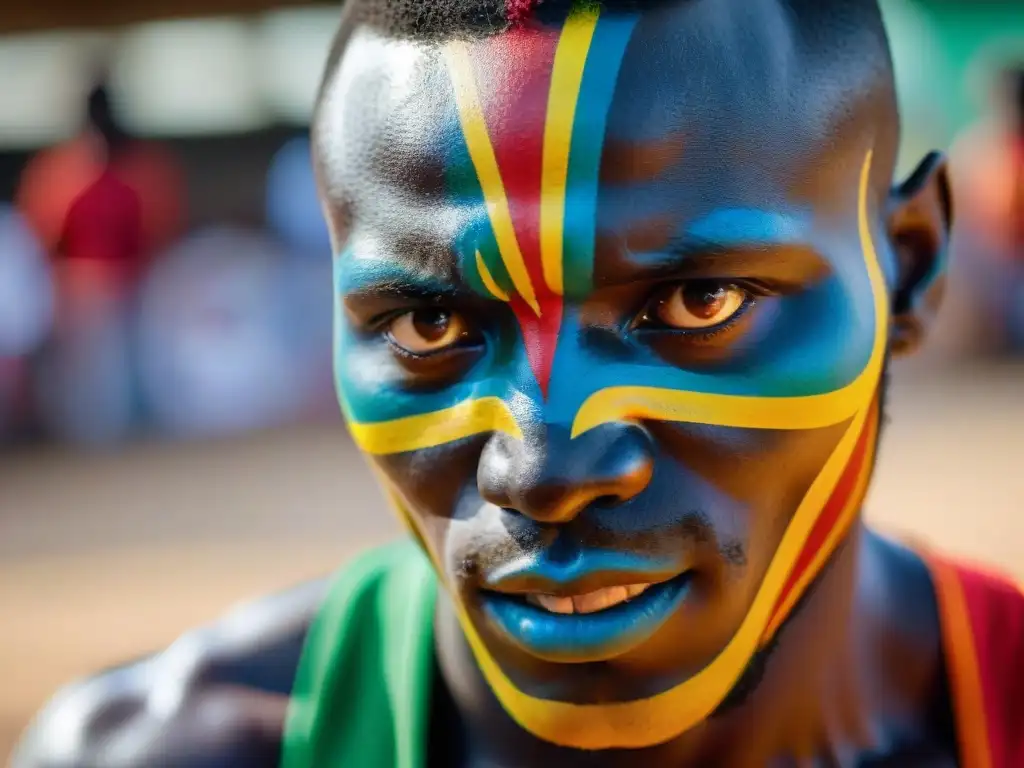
26	313
55	178
220	351
617	287
989	172
85	379
1015	214
103	202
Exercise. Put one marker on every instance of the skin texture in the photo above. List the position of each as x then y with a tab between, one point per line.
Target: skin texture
216	697
524	228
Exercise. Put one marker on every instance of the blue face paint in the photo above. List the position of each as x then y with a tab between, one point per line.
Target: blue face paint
576	637
751	225
579	565
727	440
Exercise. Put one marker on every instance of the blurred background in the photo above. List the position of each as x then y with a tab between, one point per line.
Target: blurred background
169	440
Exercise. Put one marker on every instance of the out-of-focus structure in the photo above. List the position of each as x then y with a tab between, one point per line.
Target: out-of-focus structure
169	373
213	99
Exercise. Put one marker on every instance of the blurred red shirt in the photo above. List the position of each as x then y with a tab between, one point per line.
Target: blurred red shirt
54	179
103	222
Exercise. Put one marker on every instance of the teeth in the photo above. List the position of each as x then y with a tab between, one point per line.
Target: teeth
554	604
599	600
592	602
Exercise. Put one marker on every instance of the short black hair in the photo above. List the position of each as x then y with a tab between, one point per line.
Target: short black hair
834	29
439	19
828	31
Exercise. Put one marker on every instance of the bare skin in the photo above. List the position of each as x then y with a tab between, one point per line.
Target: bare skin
719	251
218	697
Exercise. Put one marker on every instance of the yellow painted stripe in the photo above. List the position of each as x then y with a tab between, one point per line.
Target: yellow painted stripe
839	530
655	720
644	722
752	412
413	433
488	279
566	81
481	151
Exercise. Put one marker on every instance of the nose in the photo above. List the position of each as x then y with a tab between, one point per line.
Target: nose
551	478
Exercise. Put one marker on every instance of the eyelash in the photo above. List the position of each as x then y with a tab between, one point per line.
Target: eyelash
704	334
379	324
405	354
755	290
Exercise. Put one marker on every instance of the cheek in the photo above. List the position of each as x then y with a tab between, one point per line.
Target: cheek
370	381
438	486
765	474
364	365
736	347
816	342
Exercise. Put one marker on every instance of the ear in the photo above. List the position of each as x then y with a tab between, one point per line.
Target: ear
919	223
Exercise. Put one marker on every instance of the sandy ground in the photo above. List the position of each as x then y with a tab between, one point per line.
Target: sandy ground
106	557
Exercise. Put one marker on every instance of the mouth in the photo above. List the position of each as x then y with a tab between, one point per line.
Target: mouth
585	626
589	602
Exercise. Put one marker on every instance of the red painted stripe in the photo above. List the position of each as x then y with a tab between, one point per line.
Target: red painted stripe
514	76
540	335
846	486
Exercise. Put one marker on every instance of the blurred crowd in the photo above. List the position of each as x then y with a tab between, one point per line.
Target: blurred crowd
118	319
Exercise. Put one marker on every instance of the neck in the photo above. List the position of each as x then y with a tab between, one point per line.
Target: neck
860	654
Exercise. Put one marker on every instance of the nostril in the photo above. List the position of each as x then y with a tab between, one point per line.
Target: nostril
607	501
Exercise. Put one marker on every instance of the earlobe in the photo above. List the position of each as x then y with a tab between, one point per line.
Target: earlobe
919	224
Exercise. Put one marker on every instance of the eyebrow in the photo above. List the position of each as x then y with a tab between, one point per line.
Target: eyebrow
732	241
751	225
367	279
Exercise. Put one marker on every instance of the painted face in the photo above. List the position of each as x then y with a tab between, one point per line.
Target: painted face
612	319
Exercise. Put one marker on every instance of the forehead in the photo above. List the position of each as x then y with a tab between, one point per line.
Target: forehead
688	109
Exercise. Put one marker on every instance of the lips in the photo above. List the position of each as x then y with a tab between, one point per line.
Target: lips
577	575
588	602
594	618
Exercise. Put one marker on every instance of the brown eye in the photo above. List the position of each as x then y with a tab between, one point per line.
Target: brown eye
426	331
699	304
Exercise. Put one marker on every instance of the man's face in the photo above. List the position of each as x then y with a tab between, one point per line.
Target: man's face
611	324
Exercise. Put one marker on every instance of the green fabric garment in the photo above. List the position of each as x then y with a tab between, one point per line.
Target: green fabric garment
363	688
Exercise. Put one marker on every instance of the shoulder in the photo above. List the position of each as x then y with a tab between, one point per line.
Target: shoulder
219	694
989	602
983	636
914	612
